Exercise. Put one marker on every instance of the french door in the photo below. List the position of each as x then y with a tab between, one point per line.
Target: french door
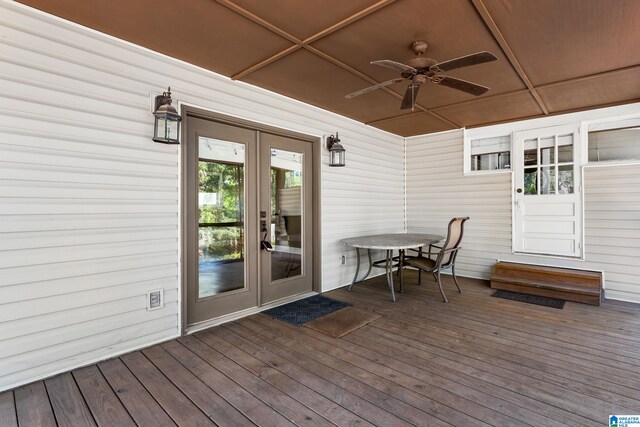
248	215
547	217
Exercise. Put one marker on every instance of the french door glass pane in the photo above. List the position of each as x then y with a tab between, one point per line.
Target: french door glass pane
221	231
286	213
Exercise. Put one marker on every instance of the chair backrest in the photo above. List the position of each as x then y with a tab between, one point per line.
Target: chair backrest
454	238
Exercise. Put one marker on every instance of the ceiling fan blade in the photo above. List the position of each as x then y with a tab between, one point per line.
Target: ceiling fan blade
396	66
409	99
459	84
463	61
374	87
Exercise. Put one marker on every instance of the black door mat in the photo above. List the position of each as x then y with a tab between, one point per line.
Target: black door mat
530	299
302	311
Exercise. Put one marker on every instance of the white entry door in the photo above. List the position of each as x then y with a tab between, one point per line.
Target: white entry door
547	216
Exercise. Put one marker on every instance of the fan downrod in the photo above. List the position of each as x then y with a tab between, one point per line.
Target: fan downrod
419	47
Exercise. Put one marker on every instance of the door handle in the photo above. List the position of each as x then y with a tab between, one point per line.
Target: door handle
264	243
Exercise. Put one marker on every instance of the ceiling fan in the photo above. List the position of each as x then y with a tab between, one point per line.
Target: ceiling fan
421	68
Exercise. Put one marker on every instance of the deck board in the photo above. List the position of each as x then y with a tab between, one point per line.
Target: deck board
8	416
217	409
271	396
251	406
172	400
101	400
476	361
313	400
68	405
142	407
33	406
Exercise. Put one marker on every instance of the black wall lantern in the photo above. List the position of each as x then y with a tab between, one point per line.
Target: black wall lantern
167	122
336	151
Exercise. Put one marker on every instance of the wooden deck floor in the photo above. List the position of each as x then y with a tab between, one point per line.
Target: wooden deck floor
476	361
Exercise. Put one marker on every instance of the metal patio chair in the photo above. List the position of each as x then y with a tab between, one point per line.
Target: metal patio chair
445	257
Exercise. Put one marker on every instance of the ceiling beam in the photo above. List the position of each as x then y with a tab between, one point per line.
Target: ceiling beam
266	62
544	86
350	20
591	76
493	27
255	18
297	42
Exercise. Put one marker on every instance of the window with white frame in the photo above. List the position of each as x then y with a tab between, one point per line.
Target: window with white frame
614	141
488	154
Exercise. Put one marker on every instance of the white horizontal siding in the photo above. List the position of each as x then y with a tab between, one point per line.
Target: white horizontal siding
612	227
437	191
89	205
365	197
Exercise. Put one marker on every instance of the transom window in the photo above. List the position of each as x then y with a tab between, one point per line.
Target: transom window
614	141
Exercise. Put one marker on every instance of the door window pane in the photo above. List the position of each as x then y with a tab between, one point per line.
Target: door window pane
221	217
565	153
548	180
565	179
531	152
531	181
547	150
547	156
287	214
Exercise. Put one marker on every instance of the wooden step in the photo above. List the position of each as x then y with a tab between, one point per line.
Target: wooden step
564	283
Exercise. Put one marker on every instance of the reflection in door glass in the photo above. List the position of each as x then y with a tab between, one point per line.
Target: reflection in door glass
547	180
531	152
565	152
565	179
221	220
286	214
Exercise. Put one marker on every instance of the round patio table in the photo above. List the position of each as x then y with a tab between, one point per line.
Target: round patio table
388	243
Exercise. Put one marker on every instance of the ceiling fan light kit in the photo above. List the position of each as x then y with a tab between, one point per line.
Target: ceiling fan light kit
421	68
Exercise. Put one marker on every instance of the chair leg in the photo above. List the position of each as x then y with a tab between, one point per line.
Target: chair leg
419	277
455	279
440	286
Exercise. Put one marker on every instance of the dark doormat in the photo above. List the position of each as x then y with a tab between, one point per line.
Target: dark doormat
302	311
530	299
341	322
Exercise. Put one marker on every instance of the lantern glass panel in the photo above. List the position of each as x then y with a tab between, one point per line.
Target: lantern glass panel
166	130
337	158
